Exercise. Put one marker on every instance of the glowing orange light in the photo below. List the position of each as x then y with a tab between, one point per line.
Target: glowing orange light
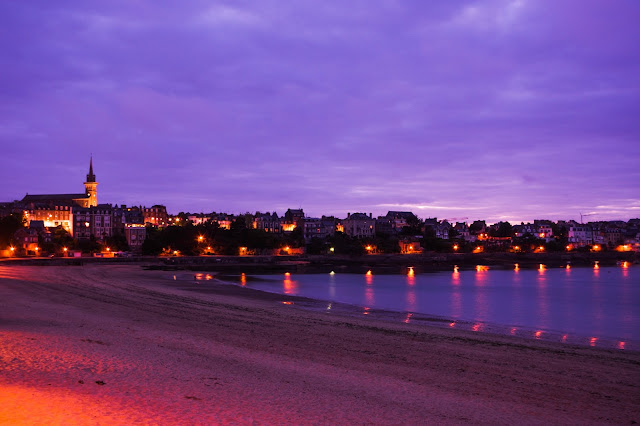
517	267
452	324
369	273
12	248
564	337
592	341
411	273
475	327
368	248
516	248
513	330
108	249
568	266
200	238
542	267
456	270
455	247
243	279
287	302
175	252
625	264
596	265
568	248
65	249
366	311
621	345
538	334
37	248
409	315
477	249
287	274
481	268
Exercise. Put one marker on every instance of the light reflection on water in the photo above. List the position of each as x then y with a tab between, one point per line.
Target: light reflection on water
601	302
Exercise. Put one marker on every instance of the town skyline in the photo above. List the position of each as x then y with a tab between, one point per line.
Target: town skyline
91	178
505	110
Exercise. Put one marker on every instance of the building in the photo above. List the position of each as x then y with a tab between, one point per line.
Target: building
156	215
580	235
52	215
88	199
268	222
359	225
320	228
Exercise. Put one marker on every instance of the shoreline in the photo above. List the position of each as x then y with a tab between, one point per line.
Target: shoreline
427	319
378	263
118	344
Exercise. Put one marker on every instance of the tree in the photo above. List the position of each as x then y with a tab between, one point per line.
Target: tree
8	227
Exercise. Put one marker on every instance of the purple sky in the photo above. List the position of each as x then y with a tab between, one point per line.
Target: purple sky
501	110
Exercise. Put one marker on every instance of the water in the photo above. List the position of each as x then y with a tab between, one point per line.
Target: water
602	303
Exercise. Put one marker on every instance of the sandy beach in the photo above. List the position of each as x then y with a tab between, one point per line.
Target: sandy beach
118	344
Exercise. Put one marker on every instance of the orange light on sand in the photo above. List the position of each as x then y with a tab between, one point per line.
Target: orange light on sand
621	345
287	302
366	311
564	338
513	331
592	341
538	334
452	324
476	327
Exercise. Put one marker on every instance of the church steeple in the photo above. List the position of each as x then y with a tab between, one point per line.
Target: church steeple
91	177
91	187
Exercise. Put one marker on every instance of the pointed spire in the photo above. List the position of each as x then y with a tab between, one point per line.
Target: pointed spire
91	177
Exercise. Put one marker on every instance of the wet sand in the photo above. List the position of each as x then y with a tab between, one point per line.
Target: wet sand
116	344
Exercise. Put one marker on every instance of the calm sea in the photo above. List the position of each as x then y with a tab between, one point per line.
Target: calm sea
599	304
